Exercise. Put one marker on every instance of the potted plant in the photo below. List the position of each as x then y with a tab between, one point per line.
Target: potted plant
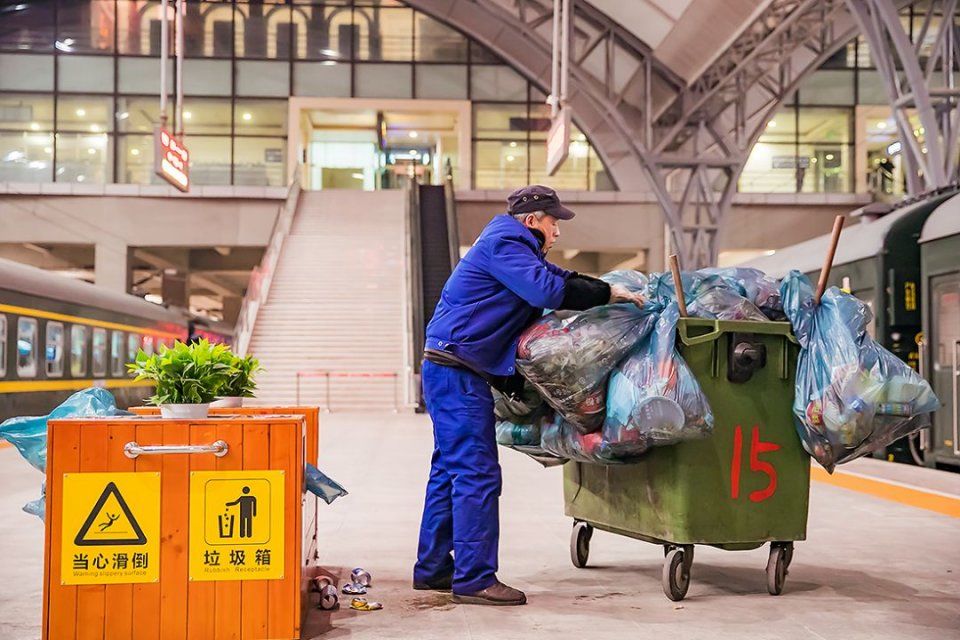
240	384
187	377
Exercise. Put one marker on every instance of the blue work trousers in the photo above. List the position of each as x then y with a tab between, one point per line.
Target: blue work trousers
461	510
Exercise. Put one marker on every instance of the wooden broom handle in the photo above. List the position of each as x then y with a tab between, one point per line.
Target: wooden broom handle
828	260
678	284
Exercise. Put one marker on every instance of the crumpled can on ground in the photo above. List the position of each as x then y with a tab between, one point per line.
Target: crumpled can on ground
568	356
653	398
853	396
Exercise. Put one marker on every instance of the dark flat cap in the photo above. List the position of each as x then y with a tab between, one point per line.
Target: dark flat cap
536	197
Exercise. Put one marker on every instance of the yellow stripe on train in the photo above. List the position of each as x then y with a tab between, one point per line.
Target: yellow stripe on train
49	315
26	386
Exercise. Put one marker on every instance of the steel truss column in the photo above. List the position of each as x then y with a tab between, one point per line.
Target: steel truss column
929	88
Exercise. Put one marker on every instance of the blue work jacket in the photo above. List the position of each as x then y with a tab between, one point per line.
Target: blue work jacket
495	291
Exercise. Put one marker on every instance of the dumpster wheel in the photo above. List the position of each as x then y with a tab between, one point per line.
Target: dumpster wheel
580	543
781	553
676	572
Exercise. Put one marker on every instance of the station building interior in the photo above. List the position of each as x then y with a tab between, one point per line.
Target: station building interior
344	152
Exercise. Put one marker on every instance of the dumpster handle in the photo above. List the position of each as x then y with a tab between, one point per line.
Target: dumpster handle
707	337
218	448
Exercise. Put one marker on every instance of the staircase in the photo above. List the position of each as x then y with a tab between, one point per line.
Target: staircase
337	304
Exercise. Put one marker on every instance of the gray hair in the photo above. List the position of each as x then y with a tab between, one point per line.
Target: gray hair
523	216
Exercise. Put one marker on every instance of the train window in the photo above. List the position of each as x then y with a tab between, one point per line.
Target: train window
78	351
133	345
27	330
3	345
99	353
118	353
53	354
148	345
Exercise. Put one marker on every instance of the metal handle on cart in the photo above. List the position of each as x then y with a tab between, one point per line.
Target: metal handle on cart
133	450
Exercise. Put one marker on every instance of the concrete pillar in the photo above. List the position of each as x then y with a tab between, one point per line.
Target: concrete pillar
231	308
173	288
112	267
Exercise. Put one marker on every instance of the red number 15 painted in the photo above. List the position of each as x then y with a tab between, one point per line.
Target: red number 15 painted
756	464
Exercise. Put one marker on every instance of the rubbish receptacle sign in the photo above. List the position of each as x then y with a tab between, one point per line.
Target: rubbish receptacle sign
111	528
236	525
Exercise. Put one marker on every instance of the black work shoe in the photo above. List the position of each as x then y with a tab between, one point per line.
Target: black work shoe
441	584
498	595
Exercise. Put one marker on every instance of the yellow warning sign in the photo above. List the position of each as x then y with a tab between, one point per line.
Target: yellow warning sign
111	528
236	525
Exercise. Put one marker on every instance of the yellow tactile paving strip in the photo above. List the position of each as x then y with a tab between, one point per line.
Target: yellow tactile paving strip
889	490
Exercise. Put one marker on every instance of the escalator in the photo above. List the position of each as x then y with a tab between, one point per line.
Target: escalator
434	251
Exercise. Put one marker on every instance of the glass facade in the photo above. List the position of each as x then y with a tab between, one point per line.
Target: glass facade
810	145
79	81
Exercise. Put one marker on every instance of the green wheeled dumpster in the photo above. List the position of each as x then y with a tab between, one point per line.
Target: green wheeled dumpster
745	485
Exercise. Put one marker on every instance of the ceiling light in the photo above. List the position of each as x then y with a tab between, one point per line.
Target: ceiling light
34	126
414	153
81	178
412	134
48	150
829	156
356	176
91	151
134	152
37	164
772	124
247	116
65	45
187	115
123	115
510	158
513	144
13	156
813	161
882	125
330	52
95	128
81	113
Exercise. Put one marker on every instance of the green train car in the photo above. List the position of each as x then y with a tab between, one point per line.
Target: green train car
877	260
940	348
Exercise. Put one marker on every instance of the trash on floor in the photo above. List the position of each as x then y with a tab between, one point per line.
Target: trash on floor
362	604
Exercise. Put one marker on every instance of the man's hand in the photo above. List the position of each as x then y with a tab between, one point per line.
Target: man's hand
619	293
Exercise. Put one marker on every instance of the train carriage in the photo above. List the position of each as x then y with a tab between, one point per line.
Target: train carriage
58	335
940	277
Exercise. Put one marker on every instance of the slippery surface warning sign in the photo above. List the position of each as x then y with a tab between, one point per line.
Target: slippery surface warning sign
111	528
236	525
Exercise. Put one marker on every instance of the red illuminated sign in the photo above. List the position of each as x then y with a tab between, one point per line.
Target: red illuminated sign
171	159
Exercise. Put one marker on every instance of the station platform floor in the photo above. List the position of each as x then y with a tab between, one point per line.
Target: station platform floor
872	566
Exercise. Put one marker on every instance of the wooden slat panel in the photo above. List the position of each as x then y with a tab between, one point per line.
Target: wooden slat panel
201	595
174	501
94	447
285	442
228	607
118	607
61	600
256	457
146	597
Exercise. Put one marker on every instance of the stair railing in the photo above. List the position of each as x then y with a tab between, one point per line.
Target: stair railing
261	277
453	227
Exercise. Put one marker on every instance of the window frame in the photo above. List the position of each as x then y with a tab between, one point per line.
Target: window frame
105	353
78	365
58	359
33	370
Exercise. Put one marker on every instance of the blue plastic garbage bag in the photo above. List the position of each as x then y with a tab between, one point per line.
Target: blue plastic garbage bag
568	356
853	396
38	507
322	486
29	433
631	280
653	398
707	294
562	439
756	286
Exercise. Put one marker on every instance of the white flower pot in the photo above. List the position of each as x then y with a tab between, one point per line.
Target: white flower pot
230	402
185	411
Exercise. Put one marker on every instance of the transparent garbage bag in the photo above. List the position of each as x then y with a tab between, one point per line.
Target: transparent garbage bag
708	295
29	433
562	439
321	485
853	396
38	507
631	280
653	398
762	290
568	356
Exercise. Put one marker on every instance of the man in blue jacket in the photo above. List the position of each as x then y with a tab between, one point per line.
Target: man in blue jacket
501	285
